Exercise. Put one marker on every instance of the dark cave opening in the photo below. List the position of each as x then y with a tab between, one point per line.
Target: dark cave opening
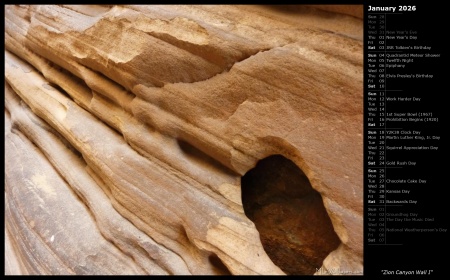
294	227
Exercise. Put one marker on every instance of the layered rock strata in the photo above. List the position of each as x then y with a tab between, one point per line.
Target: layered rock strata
128	130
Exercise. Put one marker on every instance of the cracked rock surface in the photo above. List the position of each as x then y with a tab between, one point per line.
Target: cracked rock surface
128	130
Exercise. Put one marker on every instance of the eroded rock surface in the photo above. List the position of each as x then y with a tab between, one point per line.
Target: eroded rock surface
128	130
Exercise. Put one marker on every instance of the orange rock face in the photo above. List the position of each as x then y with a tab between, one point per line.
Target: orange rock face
135	136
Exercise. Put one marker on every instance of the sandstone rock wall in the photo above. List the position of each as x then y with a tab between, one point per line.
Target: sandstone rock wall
128	129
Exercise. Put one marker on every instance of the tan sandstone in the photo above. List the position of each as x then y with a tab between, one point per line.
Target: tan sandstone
128	130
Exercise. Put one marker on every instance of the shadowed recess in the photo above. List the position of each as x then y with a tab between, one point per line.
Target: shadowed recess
202	159
219	266
294	227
